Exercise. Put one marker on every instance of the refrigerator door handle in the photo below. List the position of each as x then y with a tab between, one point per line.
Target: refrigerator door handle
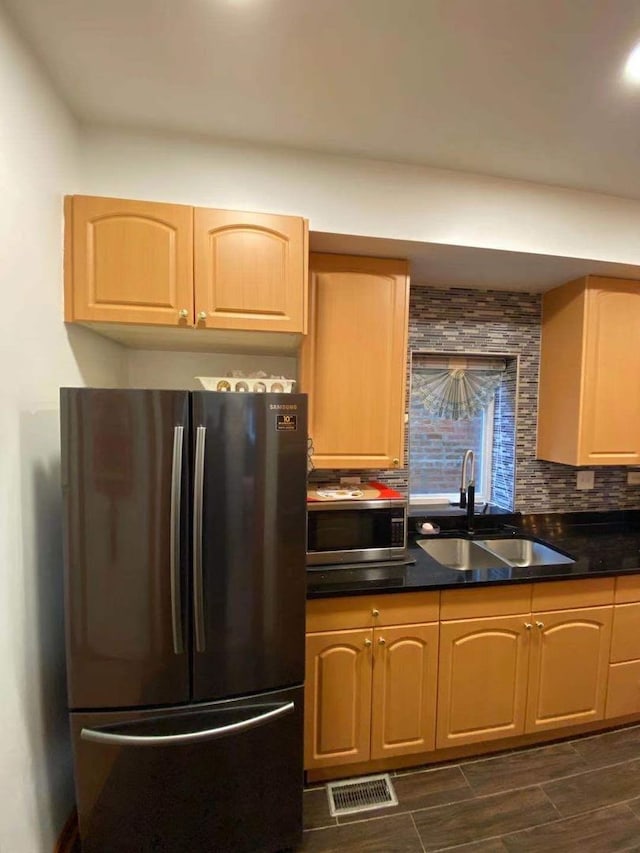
176	502
198	491
186	737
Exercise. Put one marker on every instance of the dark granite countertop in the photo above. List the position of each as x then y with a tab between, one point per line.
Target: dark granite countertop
601	543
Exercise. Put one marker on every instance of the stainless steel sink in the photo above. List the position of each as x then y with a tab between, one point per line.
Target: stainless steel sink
461	554
520	551
508	552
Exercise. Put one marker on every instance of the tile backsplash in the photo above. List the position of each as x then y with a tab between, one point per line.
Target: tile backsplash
473	321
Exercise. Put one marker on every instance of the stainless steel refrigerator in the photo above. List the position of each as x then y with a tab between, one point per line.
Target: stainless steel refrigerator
185	595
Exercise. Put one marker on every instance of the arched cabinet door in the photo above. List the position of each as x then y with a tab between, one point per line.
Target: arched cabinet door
128	262
611	392
405	682
353	361
568	667
482	679
250	271
337	698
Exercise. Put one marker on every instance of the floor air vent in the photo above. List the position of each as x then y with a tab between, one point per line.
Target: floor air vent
361	795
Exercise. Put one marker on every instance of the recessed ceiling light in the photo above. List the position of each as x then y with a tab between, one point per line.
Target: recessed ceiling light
632	66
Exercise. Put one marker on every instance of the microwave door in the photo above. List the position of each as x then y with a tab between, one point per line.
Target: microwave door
355	533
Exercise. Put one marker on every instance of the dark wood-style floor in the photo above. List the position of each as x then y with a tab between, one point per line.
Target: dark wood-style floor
578	796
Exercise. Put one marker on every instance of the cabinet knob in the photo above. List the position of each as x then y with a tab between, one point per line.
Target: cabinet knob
528	626
540	625
202	315
382	641
367	643
183	313
375	612
396	461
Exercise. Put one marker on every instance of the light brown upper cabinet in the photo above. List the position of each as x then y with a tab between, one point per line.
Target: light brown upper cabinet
128	261
250	271
150	263
353	361
589	400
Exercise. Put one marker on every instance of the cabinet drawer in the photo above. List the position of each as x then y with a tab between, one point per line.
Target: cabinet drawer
334	614
478	602
627	589
623	695
625	642
566	595
406	608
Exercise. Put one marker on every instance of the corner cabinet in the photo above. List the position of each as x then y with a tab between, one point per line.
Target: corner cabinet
589	399
353	361
150	263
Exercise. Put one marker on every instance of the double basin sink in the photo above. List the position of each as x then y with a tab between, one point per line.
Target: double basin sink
501	552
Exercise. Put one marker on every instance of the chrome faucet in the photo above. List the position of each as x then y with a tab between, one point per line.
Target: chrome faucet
468	492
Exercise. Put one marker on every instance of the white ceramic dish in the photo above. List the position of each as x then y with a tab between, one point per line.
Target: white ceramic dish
243	384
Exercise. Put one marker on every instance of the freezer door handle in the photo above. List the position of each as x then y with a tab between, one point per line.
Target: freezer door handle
174	548
198	492
111	737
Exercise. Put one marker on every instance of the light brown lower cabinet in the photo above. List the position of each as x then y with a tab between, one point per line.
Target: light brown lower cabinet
568	667
482	687
623	695
337	698
502	662
370	694
510	675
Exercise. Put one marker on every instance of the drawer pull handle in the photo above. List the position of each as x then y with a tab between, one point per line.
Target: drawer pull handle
375	612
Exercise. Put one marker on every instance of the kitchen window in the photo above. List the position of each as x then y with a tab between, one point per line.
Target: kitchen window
453	409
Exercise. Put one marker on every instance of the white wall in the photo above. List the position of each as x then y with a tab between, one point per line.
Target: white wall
38	158
155	369
364	197
39	151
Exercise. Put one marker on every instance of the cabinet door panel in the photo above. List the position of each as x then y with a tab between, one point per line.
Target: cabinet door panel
623	693
337	698
482	682
569	664
625	641
405	670
132	261
611	408
353	363
250	271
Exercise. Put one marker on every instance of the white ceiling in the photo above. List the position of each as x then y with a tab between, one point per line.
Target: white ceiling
527	89
444	265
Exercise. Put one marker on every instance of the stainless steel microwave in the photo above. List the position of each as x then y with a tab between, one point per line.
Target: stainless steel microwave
356	531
